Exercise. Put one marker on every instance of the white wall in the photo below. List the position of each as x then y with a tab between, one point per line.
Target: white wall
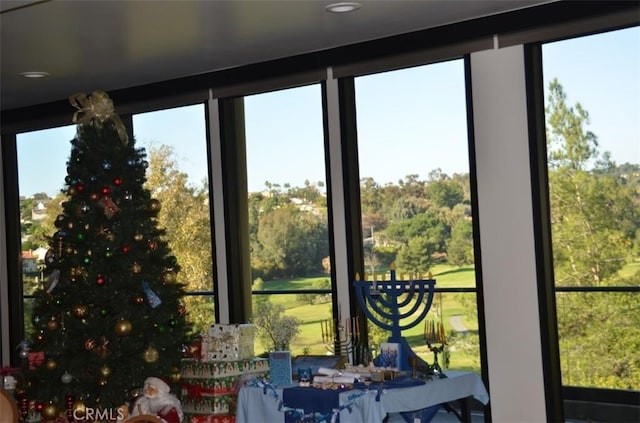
506	236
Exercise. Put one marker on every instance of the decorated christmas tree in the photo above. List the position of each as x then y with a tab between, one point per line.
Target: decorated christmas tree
111	312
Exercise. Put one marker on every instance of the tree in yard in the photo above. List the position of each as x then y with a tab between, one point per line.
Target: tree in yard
112	312
185	217
460	245
594	221
290	242
274	329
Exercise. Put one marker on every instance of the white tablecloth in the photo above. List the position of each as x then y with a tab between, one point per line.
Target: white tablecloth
254	406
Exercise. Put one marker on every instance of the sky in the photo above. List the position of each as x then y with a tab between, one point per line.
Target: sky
422	128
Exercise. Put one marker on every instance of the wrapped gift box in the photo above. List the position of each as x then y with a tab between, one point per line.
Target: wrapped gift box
194	369
218	404
209	418
191	388
229	342
280	368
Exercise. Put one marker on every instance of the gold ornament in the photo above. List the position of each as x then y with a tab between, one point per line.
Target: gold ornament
79	408
168	276
175	375
80	311
136	268
150	355
52	324
153	205
51	364
138	237
50	411
105	370
123	327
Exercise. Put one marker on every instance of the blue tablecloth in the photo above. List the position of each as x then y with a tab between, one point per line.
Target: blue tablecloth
310	400
262	405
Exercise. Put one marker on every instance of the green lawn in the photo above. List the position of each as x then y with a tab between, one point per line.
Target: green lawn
311	315
464	354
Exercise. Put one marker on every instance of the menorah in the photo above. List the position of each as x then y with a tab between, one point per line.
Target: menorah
382	301
346	338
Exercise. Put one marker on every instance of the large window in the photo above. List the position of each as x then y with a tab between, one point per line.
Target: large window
288	225
42	157
176	145
592	88
415	198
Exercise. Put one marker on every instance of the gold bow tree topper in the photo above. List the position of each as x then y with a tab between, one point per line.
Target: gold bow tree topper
97	109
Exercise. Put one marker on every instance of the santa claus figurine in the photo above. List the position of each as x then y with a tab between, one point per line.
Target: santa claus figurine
158	401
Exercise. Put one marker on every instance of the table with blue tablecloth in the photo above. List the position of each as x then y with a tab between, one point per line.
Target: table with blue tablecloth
267	404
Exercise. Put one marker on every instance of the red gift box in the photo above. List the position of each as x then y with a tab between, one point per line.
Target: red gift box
200	418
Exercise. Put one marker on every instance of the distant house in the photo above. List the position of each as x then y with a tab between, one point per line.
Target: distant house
29	262
40	253
39	212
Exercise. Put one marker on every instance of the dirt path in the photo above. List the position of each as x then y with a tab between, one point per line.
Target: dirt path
456	323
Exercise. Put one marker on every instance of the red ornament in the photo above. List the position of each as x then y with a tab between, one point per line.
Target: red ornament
35	359
100	280
80	187
117	181
105	190
125	249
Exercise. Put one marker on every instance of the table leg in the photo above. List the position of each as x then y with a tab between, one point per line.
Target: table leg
464	416
465	410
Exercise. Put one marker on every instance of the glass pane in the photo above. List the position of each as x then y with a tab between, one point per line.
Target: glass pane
599	346
288	226
176	145
42	157
282	318
415	191
592	88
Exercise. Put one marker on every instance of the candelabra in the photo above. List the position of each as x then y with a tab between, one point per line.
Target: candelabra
345	341
434	335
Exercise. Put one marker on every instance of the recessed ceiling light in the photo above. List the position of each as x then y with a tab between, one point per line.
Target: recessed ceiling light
343	7
35	74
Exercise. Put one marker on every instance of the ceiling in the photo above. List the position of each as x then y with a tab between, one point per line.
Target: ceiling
109	45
